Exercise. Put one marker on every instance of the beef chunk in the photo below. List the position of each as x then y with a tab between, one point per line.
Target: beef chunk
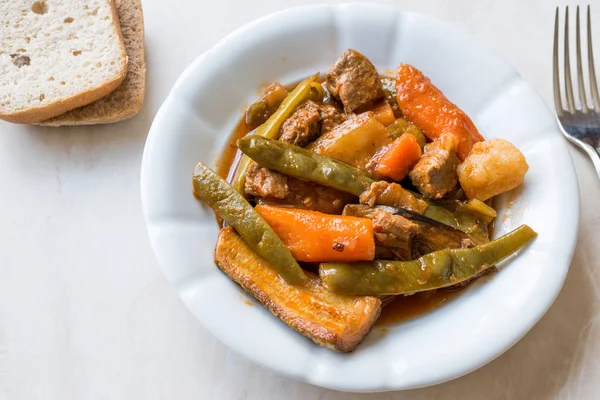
330	118
435	173
308	122
354	80
393	232
302	127
311	196
393	195
263	182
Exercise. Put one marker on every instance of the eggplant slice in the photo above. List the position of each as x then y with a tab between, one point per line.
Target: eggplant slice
338	322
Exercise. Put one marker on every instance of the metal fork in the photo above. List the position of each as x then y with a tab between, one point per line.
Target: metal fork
580	123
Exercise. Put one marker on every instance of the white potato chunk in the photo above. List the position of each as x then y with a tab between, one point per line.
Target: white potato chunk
492	167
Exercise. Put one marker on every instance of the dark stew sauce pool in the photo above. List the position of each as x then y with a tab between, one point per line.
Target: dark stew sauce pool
398	308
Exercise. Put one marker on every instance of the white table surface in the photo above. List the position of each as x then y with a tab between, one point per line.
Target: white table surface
85	311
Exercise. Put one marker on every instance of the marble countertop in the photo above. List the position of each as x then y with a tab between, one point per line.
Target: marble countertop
85	311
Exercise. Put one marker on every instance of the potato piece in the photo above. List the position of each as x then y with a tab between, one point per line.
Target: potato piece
353	142
384	113
492	167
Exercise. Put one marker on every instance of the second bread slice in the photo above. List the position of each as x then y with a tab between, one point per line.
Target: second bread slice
127	99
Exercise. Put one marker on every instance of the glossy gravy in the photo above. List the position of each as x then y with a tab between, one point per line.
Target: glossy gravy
228	156
403	308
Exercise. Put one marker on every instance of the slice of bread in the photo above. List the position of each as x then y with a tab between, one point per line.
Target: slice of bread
127	99
56	56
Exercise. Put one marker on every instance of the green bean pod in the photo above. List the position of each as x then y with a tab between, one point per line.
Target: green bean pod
479	207
390	92
233	208
270	129
260	111
432	271
304	164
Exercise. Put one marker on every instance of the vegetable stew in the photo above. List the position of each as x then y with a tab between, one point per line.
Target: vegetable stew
340	196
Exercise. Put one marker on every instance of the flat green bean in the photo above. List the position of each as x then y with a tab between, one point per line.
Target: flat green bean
432	271
304	164
389	89
233	208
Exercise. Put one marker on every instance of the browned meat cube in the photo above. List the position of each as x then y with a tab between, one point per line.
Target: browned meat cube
391	231
309	122
435	173
302	127
354	80
330	118
263	182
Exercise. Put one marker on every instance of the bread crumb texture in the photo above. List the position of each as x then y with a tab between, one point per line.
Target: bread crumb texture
53	50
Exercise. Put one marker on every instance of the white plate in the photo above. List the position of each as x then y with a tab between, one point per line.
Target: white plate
203	108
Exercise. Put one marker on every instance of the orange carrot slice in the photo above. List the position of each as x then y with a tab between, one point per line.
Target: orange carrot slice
402	155
427	107
316	237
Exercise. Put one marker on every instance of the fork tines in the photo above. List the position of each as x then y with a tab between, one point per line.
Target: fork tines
570	106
